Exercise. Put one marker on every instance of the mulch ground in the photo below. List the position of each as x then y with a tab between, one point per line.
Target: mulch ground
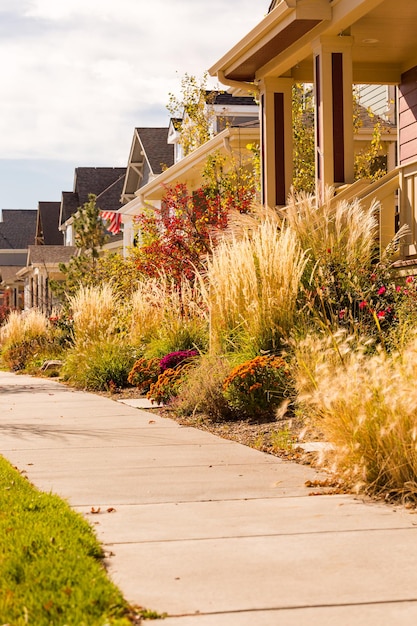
276	437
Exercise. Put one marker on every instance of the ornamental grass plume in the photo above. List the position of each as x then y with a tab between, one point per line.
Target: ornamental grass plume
366	407
251	287
333	232
23	327
147	310
95	312
168	317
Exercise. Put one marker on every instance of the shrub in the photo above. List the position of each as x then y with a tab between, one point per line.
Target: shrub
202	391
143	373
168	384
102	366
17	355
257	387
63	325
171	360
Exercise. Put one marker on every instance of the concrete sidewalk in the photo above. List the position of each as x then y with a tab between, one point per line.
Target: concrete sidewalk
207	530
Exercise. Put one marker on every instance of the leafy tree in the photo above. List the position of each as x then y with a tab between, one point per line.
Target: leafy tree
90	232
303	137
232	180
90	237
368	162
192	111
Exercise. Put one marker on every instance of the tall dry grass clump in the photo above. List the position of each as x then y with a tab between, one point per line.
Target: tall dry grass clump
101	356
23	327
147	310
167	317
340	232
366	406
25	337
251	287
96	314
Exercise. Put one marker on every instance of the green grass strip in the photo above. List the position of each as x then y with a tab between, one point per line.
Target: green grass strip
51	573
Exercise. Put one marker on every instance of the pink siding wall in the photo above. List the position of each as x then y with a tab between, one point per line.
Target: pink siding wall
407	108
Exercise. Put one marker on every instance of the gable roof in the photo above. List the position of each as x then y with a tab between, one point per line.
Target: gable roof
158	152
8	273
93	180
150	152
46	255
47	225
17	228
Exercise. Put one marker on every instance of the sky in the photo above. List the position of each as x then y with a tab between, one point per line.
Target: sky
77	76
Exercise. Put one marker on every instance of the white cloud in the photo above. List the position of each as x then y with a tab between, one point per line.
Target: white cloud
80	74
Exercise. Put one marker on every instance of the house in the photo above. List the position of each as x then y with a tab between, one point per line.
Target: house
149	156
157	161
106	183
42	266
54	242
333	44
17	232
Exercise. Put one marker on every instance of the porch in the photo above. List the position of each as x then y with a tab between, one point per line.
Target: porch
333	44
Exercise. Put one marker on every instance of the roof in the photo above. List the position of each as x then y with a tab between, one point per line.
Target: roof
150	154
8	273
40	255
224	98
368	120
69	205
191	166
159	153
17	228
93	180
282	43
47	228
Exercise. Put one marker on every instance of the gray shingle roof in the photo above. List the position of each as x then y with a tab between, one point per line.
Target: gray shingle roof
17	228
158	151
93	180
8	273
50	254
47	232
224	98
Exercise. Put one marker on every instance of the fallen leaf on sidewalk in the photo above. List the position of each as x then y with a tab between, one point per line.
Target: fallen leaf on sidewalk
111	510
95	511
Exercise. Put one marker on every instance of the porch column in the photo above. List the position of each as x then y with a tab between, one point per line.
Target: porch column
334	111
276	140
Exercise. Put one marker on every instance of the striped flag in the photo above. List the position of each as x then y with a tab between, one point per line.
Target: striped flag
114	219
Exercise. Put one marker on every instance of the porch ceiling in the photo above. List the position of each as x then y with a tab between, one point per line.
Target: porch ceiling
383	32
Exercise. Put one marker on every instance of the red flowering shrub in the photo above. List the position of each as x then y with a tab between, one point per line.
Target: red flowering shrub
257	387
175	238
144	373
171	360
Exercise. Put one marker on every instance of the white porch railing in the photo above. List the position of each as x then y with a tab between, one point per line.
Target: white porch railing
397	194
